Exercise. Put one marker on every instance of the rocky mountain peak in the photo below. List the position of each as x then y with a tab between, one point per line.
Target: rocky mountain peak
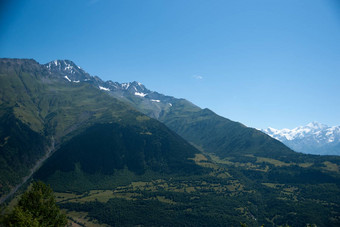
68	69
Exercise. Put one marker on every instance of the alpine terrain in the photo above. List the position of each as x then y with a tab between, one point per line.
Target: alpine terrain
314	138
202	127
118	154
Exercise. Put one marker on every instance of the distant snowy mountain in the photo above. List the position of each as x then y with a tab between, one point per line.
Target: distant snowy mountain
314	138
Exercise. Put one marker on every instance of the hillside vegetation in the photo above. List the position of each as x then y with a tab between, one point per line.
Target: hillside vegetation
111	165
40	109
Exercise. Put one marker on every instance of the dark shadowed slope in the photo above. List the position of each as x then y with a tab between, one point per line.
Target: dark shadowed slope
37	105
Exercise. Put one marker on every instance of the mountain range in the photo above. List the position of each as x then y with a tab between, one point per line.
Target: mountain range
201	127
116	151
314	138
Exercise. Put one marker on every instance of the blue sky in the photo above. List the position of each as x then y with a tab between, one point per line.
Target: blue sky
263	63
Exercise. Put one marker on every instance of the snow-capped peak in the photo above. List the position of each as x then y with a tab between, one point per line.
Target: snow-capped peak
314	135
63	65
136	86
69	69
316	125
313	128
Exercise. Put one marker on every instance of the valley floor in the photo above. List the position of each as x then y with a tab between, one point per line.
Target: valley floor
231	193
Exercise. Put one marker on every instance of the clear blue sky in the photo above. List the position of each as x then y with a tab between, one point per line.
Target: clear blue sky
263	63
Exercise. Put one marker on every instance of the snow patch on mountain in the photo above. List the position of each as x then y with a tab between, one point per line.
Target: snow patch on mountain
140	94
104	88
125	85
66	77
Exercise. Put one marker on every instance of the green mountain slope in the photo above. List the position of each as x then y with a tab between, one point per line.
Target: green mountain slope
92	159
221	136
20	149
202	127
38	108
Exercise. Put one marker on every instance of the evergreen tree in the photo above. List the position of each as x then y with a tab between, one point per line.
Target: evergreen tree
36	207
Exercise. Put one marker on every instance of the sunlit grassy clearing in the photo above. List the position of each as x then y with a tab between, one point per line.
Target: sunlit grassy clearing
80	217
